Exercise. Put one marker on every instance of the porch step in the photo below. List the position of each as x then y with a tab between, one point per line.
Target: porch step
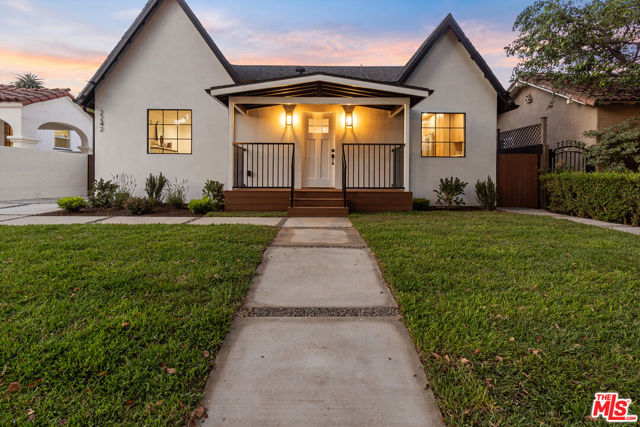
320	193
318	212
319	202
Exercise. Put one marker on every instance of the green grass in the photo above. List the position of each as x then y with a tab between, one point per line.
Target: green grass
66	293
545	312
265	214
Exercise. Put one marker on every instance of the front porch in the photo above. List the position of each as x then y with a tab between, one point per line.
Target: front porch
319	145
318	202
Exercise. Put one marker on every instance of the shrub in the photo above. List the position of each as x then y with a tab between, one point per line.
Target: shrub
102	194
420	204
618	146
487	194
72	204
606	196
215	191
120	199
155	186
450	192
177	194
140	205
126	183
201	206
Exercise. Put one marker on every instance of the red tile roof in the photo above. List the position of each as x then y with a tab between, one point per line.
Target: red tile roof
31	96
592	96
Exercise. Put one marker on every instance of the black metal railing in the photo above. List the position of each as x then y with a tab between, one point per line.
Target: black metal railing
372	166
264	165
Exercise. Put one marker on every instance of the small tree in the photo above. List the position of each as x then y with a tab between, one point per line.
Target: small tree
28	81
618	146
450	192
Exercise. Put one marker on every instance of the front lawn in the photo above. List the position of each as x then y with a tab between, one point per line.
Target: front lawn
116	324
519	319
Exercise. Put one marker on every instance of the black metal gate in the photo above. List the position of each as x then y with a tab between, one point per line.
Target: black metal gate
569	155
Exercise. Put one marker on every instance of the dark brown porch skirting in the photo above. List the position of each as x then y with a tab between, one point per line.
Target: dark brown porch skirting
279	199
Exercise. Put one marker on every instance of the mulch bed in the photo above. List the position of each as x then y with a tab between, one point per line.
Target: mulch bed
159	211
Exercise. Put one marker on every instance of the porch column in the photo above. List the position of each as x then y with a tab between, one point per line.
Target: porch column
232	128
407	144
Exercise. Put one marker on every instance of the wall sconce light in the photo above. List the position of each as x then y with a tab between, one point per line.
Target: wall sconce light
348	116
288	120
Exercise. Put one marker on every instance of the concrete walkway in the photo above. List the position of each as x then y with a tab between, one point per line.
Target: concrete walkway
25	219
587	221
319	342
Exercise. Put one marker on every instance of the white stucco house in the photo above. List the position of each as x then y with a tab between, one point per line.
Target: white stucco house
314	139
44	119
46	140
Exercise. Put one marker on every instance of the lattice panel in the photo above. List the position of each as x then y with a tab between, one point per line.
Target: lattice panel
526	136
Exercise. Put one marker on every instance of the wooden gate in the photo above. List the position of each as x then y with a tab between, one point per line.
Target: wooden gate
518	180
519	156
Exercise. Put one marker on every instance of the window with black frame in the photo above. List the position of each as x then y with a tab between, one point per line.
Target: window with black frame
169	131
443	135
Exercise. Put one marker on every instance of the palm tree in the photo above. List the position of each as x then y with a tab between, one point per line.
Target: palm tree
28	81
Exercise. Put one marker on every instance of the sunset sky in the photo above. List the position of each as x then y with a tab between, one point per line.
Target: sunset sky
64	41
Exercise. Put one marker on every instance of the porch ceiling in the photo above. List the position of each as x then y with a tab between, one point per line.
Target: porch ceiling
323	86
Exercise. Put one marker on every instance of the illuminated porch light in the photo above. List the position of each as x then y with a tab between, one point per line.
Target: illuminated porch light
288	120
348	116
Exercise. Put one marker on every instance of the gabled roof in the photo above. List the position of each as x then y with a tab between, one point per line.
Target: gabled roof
592	96
252	73
31	96
450	24
86	96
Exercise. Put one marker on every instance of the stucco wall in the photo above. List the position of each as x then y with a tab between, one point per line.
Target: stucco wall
167	66
564	121
370	126
610	115
32	174
460	87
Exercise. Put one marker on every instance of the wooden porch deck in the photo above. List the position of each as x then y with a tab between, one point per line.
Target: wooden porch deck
318	202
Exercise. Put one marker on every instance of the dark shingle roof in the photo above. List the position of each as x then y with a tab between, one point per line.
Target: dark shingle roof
251	73
31	96
590	95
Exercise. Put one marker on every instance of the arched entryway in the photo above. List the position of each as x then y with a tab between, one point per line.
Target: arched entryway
63	136
7	131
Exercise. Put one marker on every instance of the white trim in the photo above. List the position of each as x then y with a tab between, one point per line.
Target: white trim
11	105
323	78
568	98
268	100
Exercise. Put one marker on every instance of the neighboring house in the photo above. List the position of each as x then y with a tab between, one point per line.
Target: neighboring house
45	140
573	110
43	119
167	100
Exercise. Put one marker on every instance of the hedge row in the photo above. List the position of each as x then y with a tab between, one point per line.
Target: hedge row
607	196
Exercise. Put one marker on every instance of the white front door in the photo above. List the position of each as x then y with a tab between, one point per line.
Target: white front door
319	168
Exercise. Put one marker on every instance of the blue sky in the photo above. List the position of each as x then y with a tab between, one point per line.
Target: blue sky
64	41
